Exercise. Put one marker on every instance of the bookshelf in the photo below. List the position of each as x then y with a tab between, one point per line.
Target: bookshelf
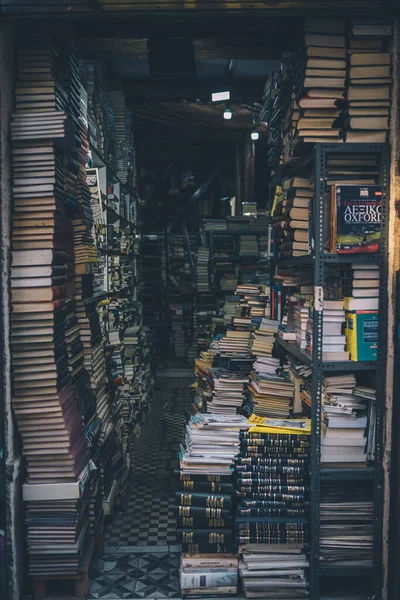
318	260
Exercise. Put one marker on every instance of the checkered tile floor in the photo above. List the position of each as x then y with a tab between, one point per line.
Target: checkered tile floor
135	576
139	559
149	516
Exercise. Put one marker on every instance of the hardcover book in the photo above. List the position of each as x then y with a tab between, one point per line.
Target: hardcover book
356	219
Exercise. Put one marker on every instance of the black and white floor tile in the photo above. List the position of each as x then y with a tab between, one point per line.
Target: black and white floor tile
133	575
140	558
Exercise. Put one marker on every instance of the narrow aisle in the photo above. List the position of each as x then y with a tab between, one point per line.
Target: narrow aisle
140	558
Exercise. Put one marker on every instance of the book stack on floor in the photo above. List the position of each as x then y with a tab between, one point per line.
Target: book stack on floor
370	80
44	400
361	302
235	344
290	218
204	505
263	337
272	487
270	394
321	80
344	421
347	518
334	340
205	575
123	137
301	303
203	257
228	392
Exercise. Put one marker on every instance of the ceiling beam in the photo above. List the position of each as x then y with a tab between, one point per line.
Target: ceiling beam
224	48
242	92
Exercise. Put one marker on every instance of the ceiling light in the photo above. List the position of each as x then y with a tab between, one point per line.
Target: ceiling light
227	114
220	96
254	135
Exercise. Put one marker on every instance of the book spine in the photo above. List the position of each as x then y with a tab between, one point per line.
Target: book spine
203	536
205	500
199	523
212	487
202	512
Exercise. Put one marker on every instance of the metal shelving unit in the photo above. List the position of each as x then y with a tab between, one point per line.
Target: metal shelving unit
319	259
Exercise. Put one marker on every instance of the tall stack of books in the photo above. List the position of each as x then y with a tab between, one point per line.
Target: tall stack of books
370	79
123	135
204	505
321	80
344	422
228	392
235	344
334	340
272	488
361	291
290	218
44	400
203	257
203	575
347	517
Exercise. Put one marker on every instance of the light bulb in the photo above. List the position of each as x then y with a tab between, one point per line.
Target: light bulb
254	135
227	114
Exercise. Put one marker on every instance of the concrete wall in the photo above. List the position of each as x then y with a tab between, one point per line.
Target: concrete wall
14	506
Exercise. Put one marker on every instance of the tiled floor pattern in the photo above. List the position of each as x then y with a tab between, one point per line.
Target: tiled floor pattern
134	575
137	561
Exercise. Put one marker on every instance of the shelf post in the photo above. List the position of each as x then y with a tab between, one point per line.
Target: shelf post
317	369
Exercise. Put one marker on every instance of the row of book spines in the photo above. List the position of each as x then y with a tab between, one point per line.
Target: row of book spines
203	500
277	452
277	496
200	523
286	461
264	480
190	536
204	478
257	468
207	548
299	537
269	504
266	512
281	437
209	486
248	444
242	490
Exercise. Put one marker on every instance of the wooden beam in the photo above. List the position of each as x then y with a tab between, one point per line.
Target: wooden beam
242	92
205	49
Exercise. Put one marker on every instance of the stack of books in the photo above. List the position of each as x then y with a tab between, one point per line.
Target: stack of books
271	395
264	337
44	333
290	218
321	80
248	245
228	390
123	137
203	257
204	505
272	488
344	422
370	80
361	302
236	344
334	340
268	571
346	530
206	575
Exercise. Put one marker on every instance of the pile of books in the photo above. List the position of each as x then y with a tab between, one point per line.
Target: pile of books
228	390
123	137
370	79
268	571
290	217
204	505
264	337
248	245
344	421
321	80
334	340
203	257
361	302
271	395
211	574
272	488
347	518
236	344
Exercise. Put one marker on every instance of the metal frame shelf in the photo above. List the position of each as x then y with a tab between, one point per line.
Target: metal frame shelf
340	365
318	260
